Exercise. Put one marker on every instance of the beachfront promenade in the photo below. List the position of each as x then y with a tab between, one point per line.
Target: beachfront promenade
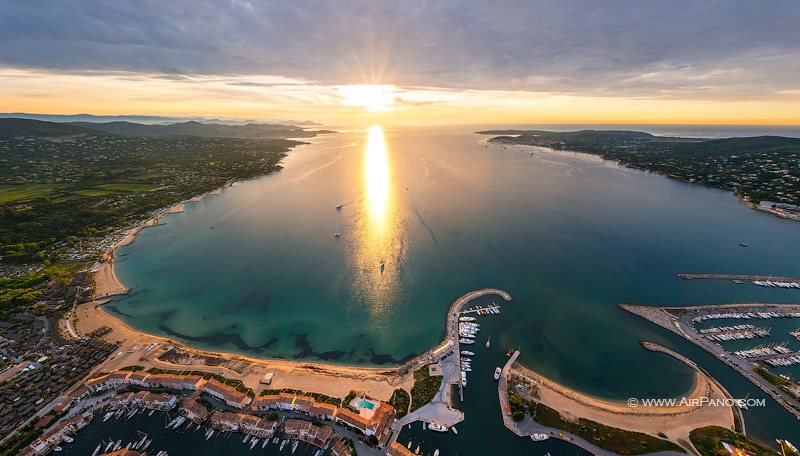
440	410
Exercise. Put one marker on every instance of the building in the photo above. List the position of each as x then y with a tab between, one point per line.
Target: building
155	401
341	448
227	394
378	425
240	422
264	403
194	411
308	432
108	381
395	449
322	411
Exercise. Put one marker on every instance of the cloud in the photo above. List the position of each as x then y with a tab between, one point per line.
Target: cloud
654	49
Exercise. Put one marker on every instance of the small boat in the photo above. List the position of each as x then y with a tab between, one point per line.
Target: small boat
463	379
108	446
337	234
488	341
211	227
424	425
151	412
107	416
294	446
467	353
417	450
539	437
58	448
497	372
339	206
466	341
742	244
436	453
383	265
68	439
283	444
455	431
467	318
253	443
434	427
264	445
97	450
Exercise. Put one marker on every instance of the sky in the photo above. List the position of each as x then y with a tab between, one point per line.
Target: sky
353	61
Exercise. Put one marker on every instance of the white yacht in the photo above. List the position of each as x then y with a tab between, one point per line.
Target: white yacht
437	427
497	372
539	437
467	353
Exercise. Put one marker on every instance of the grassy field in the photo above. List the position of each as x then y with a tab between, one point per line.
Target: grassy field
425	387
708	441
25	192
613	439
400	400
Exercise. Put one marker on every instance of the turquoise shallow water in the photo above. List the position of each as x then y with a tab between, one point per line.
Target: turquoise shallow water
568	235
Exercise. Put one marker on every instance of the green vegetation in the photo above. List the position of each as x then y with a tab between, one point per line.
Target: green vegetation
708	441
754	169
20	440
400	401
609	438
319	397
132	368
61	185
770	377
425	387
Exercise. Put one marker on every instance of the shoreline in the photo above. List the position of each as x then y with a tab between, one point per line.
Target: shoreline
648	419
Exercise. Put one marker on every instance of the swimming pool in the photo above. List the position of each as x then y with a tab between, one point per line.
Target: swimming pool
365	404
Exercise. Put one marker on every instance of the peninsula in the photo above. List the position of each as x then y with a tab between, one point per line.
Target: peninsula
762	171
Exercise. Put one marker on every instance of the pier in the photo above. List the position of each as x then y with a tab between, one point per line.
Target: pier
440	410
742	277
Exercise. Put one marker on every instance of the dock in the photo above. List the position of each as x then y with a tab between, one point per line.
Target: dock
447	353
741	277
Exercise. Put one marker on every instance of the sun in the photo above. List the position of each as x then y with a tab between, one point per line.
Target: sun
372	97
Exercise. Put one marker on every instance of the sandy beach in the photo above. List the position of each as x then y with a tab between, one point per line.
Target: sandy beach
675	421
105	278
328	379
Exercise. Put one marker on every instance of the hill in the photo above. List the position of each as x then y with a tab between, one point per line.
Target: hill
40	129
755	169
193	128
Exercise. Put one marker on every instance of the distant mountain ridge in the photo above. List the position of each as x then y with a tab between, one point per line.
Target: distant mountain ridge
193	128
38	128
146	119
42	129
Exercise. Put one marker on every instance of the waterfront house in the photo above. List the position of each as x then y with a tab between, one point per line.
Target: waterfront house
194	411
156	401
307	432
108	381
264	403
322	411
227	394
396	449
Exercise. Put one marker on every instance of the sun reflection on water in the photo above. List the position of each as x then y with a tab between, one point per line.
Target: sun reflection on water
377	255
